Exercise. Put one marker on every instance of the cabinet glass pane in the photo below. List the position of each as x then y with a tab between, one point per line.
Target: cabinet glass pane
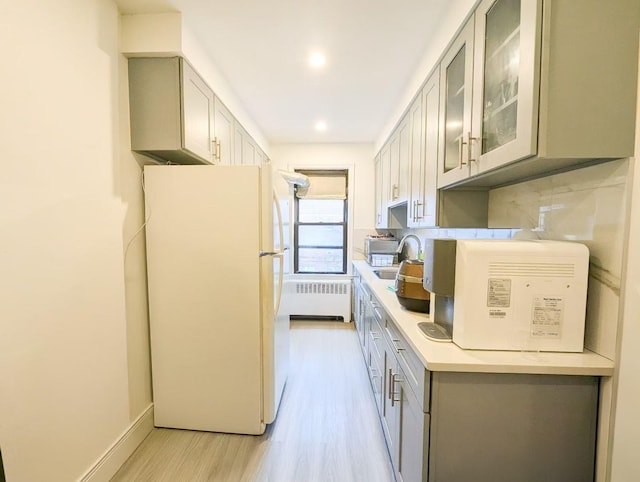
501	70
454	110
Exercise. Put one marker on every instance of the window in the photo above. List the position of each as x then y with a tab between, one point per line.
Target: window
320	224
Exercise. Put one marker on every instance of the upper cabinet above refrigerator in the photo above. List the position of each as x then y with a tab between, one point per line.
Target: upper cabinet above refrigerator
531	87
176	117
171	111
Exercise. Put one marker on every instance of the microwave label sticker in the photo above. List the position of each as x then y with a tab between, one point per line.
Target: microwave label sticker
499	293
547	316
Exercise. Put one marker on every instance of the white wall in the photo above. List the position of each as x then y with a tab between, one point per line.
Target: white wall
135	257
624	458
167	34
64	382
290	156
448	26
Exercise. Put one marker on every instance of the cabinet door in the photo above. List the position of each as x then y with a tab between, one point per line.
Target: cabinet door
382	183
197	112
238	143
404	147
506	79
249	149
416	161
223	133
424	117
456	75
394	169
377	382
414	436
399	163
390	404
261	157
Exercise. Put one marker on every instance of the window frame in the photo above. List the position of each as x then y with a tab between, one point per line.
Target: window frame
345	223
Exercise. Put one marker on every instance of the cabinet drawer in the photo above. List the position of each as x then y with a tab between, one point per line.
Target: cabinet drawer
377	382
376	340
417	376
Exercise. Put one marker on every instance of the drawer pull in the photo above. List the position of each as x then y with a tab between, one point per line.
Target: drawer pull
396	347
394	380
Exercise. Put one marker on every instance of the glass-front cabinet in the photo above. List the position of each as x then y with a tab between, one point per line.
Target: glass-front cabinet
489	90
506	80
455	108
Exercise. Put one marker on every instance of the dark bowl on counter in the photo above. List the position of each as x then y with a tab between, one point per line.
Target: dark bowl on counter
413	304
409	289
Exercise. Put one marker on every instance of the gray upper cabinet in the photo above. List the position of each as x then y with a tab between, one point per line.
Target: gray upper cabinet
171	111
399	163
382	165
249	151
176	117
554	87
456	76
238	143
223	134
424	118
506	83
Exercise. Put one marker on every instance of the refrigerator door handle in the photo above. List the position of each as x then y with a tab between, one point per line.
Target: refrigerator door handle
280	275
279	215
262	254
282	249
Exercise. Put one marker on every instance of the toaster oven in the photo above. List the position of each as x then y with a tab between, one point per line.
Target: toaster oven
381	251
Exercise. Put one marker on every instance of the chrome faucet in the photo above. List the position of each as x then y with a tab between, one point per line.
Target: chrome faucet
402	241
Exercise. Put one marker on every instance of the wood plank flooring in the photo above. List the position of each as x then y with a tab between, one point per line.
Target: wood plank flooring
326	430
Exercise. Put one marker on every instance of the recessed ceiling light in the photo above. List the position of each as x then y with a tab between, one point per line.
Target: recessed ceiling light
317	60
321	126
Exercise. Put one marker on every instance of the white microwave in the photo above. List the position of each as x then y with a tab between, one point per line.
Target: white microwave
525	295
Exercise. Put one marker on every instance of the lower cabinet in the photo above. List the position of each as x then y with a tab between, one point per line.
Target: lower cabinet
362	313
414	435
391	405
481	427
490	427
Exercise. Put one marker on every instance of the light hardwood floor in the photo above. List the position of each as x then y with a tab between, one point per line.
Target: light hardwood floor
326	430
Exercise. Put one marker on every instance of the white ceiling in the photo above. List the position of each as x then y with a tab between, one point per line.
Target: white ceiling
373	48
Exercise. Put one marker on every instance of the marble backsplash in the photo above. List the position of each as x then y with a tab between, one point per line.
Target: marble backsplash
589	206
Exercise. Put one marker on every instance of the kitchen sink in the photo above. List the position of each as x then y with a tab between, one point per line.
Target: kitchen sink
385	273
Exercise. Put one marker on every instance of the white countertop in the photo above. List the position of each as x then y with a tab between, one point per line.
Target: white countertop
447	356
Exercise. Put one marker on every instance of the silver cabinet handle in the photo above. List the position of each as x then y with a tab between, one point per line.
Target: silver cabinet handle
418	203
396	347
215	148
390	391
460	144
469	139
377	313
395	380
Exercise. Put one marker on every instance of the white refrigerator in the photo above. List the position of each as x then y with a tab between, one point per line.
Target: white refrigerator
219	345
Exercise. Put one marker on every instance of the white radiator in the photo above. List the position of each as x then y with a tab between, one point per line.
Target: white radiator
316	297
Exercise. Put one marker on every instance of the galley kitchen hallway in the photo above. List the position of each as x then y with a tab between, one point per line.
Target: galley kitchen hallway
327	428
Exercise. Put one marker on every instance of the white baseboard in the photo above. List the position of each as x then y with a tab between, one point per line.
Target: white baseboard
121	450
